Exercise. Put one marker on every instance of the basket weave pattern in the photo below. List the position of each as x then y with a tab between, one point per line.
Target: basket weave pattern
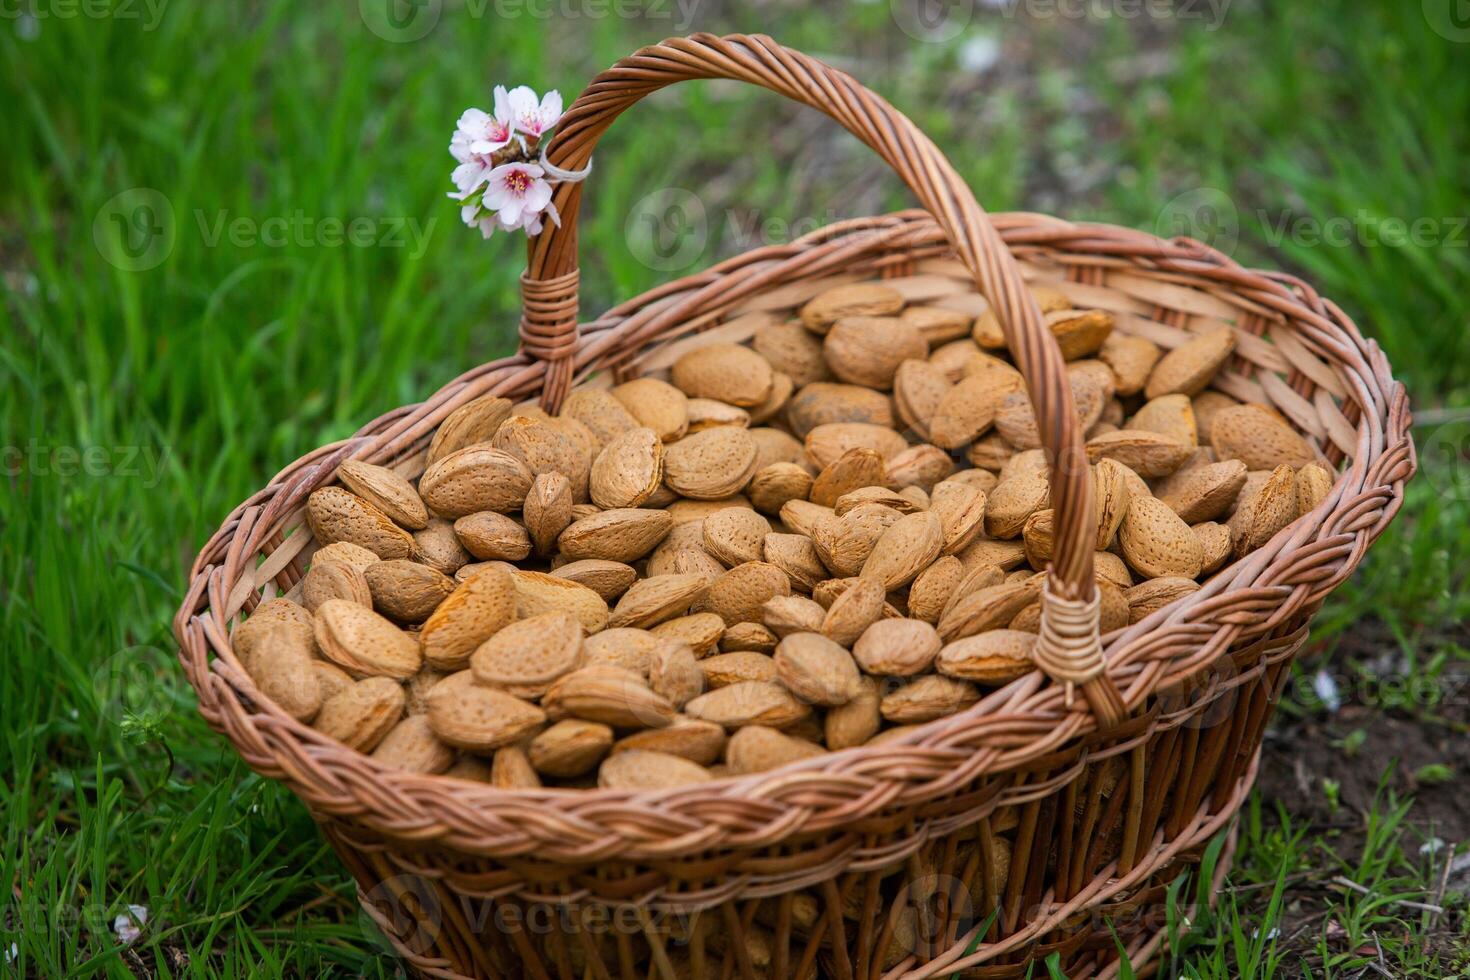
1103	801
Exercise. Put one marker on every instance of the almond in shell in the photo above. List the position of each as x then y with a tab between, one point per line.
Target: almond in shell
927	698
932	588
1313	484
1258	438
366	644
856	721
610	695
1188	368
1149	597
1132	358
702	742
656	404
828	403
548	510
795	555
897	647
757	748
1157	543
386	490
857	299
510	768
816	669
867	350
859	467
525	657
609	579
642	769
1147	454
412	746
624	534
570	748
918	468
1171	416
1268	511
651	601
334	580
784	615
602	414
476	478
748	703
280	663
493	537
905	549
472	422
724	372
360	715
471	716
724	669
438	547
996	657
538	592
711	464
735	535
628	470
1204	492
476	610
986	609
406	591
738	595
335	514
792	350
775	484
701	631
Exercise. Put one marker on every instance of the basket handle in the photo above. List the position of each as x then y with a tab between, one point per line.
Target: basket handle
1069	650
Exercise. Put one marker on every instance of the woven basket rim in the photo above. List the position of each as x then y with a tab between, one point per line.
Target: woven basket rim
1021	721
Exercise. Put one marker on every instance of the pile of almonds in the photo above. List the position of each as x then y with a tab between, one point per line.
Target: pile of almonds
809	543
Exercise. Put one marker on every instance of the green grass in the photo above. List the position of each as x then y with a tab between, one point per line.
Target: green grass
142	405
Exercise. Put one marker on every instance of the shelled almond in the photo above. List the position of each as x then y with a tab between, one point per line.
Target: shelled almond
804	543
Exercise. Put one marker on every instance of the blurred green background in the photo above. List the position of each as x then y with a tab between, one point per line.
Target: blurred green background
225	240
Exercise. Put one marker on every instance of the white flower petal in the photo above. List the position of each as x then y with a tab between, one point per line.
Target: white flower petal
550	109
538	195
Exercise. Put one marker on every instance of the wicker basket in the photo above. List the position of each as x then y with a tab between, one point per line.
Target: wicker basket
1033	823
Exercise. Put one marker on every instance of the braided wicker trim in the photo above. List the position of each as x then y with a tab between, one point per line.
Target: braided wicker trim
1069	648
1131	273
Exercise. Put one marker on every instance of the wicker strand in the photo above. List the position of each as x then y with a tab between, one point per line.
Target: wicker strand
1069	649
549	330
758	60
